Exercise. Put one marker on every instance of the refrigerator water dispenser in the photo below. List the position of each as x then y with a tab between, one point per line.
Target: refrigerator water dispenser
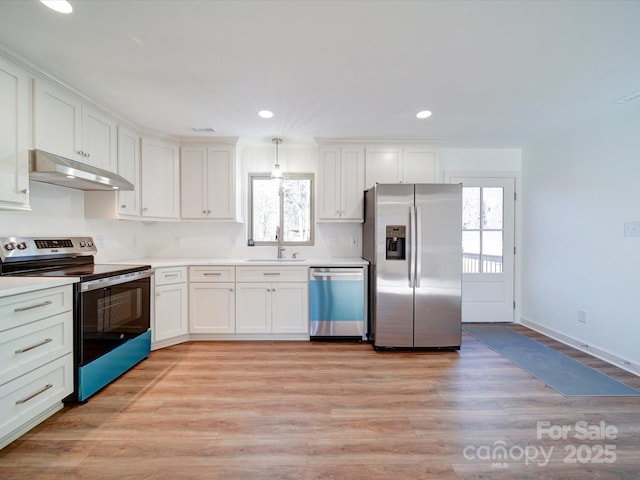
396	242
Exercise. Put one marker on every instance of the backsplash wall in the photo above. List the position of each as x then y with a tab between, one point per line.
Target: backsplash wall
59	211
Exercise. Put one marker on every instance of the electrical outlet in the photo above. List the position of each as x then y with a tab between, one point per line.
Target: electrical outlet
582	316
332	241
176	239
100	240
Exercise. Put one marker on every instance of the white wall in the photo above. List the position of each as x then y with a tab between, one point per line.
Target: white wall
579	188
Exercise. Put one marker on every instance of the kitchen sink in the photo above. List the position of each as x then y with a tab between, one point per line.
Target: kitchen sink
276	260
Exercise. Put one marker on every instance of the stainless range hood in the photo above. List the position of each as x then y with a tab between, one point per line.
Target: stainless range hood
49	168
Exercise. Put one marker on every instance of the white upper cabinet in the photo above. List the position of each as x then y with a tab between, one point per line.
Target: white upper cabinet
383	165
65	126
208	181
342	181
397	164
129	168
160	172
14	137
99	140
421	165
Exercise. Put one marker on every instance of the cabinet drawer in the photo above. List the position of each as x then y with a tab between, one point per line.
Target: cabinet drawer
30	346
28	396
169	275
29	307
271	274
212	274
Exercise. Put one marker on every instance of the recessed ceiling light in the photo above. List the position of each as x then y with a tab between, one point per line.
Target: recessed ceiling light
423	114
265	114
61	6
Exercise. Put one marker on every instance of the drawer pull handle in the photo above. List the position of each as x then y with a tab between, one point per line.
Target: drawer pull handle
173	275
42	390
271	273
212	274
31	347
31	307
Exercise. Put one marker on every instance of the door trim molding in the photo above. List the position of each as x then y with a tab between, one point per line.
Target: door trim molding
517	242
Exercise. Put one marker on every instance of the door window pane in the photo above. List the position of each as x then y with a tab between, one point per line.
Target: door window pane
492	251
492	208
471	251
471	208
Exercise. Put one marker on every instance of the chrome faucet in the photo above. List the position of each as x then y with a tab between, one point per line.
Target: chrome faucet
281	249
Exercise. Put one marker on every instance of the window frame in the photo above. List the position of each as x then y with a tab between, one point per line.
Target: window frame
286	176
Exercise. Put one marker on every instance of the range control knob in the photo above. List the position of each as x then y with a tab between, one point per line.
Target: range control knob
83	243
22	246
89	243
10	246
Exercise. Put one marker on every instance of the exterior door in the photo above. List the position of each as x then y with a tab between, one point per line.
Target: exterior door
488	226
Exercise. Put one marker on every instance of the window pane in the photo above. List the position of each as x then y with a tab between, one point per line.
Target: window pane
471	251
492	252
471	208
492	198
297	210
265	208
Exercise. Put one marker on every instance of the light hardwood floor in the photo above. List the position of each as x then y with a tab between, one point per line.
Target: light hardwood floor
300	410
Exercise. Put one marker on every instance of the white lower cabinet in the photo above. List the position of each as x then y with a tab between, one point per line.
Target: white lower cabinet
36	358
212	299
170	323
267	301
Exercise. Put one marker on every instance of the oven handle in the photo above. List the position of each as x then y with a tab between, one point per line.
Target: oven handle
114	280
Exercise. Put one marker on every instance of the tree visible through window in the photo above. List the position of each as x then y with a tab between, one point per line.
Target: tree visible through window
286	203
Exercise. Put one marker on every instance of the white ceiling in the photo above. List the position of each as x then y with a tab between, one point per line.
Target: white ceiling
495	74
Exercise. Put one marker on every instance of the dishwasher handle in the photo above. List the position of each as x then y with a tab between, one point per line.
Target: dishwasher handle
355	274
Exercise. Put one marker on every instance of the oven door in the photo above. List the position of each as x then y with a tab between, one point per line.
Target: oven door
111	311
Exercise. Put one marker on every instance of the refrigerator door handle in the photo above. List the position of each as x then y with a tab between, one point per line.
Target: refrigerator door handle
418	222
412	247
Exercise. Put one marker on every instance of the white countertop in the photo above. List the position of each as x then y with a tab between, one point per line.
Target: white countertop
311	262
14	285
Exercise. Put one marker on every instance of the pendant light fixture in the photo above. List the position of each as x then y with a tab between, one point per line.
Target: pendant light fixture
276	172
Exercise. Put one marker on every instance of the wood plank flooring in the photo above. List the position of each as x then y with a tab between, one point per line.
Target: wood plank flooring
310	411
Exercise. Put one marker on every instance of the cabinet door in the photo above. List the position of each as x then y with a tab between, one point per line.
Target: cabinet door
383	165
290	308
99	140
253	308
129	168
193	182
170	311
14	143
329	191
160	179
352	183
221	196
212	308
57	121
420	165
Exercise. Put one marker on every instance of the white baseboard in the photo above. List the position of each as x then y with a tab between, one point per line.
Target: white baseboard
583	346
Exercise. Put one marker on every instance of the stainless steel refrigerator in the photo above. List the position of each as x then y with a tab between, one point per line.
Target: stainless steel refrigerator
413	240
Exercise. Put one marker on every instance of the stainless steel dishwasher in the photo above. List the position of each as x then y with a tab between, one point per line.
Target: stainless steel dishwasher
337	307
